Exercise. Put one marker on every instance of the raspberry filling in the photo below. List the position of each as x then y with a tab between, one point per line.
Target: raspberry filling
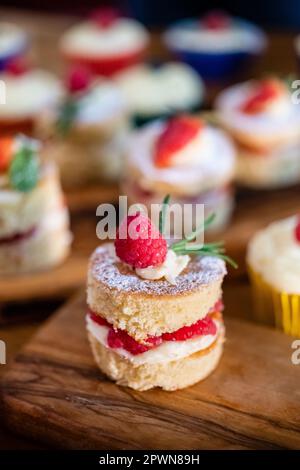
117	338
17	237
297	230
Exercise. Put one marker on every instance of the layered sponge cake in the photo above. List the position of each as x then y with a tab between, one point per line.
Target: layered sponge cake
34	221
154	313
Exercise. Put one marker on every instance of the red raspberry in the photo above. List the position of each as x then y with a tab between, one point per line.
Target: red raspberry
267	91
78	80
178	133
297	230
139	243
206	326
121	339
216	19
105	17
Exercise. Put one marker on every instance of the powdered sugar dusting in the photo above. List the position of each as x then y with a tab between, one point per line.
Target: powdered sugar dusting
201	271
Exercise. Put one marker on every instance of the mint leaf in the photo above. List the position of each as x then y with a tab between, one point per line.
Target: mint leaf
67	115
24	170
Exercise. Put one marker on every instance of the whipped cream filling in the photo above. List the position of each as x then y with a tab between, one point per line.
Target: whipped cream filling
169	269
160	90
207	161
279	116
167	351
90	40
275	254
194	36
28	94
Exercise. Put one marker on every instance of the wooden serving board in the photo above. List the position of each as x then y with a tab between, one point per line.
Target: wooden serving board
54	393
88	198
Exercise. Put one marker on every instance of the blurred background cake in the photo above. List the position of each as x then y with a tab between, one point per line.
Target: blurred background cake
217	45
105	43
14	43
185	157
34	222
265	124
153	92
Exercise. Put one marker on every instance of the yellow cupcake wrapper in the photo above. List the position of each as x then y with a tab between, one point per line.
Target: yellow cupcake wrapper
273	307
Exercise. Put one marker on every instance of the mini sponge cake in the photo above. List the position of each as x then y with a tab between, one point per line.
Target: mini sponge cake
146	331
34	221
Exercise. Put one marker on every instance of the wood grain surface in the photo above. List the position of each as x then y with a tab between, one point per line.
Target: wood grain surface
54	393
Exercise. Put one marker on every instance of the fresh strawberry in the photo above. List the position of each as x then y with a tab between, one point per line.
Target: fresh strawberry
297	230
139	243
105	17
206	326
6	151
18	66
267	91
178	132
216	20
78	80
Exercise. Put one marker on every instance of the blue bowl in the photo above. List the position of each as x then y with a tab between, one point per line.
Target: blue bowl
216	64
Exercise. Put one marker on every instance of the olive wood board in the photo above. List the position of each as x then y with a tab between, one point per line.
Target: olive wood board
54	393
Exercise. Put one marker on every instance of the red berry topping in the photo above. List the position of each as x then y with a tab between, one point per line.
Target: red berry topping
18	66
120	339
105	17
297	231
206	326
266	92
78	80
216	20
97	319
139	243
178	132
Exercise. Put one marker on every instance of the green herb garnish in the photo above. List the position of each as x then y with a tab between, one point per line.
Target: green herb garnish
183	247
67	115
24	169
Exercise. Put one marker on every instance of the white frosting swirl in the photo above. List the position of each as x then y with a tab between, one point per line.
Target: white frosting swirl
192	35
169	269
207	161
29	93
167	351
280	116
90	40
275	254
160	90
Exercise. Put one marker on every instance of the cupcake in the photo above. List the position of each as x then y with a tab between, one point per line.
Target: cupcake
265	124
13	43
217	45
158	92
34	223
85	132
273	260
185	157
106	43
28	91
154	313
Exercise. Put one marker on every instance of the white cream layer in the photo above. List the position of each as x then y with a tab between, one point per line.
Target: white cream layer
90	40
29	94
282	116
166	352
207	161
275	254
169	269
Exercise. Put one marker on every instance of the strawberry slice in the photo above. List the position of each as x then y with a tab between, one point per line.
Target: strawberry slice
178	132
6	151
216	20
297	230
78	79
18	66
266	92
121	339
105	17
206	326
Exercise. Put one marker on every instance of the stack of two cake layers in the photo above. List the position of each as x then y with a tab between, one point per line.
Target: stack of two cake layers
146	333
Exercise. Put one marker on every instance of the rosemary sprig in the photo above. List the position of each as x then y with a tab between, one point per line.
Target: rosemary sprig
183	247
162	214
